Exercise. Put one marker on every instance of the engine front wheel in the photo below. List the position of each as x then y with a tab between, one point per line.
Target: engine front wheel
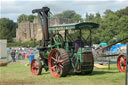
36	67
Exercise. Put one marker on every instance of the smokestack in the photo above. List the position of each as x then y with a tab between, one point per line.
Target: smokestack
45	23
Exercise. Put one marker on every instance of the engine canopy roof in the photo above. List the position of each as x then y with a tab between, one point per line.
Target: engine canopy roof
74	26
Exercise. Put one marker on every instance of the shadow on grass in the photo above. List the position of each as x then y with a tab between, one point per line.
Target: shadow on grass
102	72
93	73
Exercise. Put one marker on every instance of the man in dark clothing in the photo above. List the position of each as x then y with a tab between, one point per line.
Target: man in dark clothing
13	53
78	43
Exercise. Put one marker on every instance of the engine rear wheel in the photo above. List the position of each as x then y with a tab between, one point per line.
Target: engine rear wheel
58	63
121	63
36	67
88	58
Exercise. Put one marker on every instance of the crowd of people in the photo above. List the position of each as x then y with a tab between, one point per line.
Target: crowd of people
19	54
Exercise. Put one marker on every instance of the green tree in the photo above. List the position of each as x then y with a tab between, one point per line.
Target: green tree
97	18
22	17
7	29
31	18
4	33
107	29
122	12
113	25
77	18
122	28
59	15
89	17
69	14
108	11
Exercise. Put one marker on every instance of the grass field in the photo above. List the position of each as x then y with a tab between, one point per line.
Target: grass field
19	74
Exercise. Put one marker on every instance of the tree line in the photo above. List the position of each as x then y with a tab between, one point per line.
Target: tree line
7	29
113	25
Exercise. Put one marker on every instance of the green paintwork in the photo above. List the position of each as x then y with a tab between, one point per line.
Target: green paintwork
74	26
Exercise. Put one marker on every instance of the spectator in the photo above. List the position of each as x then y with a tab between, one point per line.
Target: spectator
28	53
13	53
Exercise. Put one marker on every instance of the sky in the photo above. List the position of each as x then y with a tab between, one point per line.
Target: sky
13	8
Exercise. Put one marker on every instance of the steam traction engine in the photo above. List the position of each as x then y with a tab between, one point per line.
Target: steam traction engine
57	51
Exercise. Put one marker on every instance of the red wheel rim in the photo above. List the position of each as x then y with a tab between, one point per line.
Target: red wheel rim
121	63
55	63
34	67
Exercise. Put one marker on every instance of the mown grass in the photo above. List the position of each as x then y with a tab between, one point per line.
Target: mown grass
19	74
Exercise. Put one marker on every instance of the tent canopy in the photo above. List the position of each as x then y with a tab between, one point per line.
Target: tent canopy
114	48
102	44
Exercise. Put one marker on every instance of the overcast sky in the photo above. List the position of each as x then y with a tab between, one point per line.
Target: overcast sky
13	8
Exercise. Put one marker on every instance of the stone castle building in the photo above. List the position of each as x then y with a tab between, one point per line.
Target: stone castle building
27	30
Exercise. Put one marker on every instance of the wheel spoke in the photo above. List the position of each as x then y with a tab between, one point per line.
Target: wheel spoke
53	59
34	66
57	56
121	59
58	70
124	63
56	53
53	67
37	66
124	68
119	62
60	61
61	66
